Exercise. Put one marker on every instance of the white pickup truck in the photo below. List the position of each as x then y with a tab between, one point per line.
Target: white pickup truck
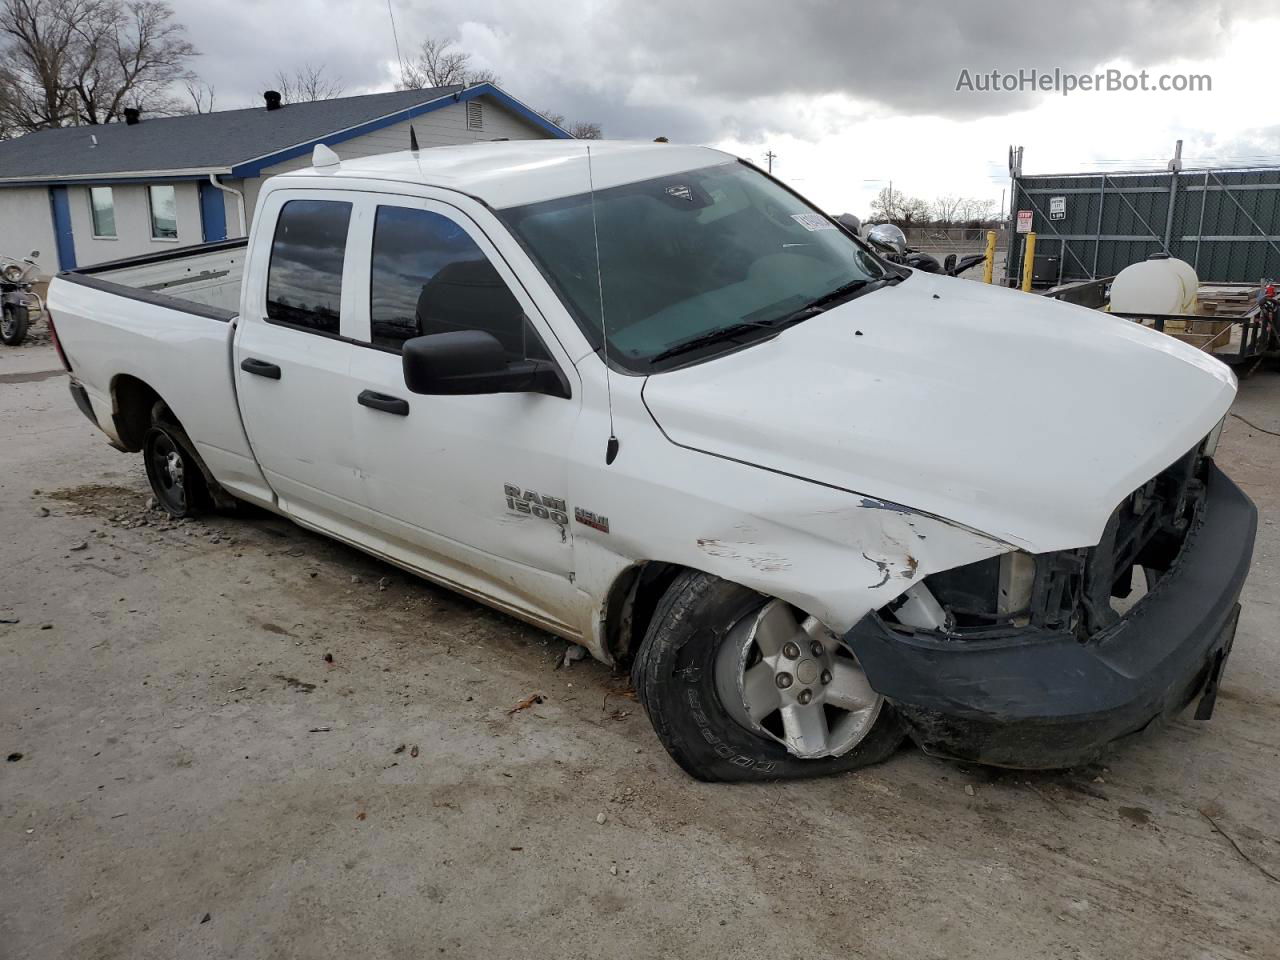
653	401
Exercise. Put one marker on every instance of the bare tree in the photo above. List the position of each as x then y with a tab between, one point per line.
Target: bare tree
975	209
893	206
440	64
946	209
581	129
308	83
132	54
584	129
201	94
83	61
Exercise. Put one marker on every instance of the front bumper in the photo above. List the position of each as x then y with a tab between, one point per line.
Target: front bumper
1047	699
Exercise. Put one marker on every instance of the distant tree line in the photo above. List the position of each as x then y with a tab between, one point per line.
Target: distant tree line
894	206
84	62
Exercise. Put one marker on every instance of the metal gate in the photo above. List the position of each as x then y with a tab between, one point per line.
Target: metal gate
1224	222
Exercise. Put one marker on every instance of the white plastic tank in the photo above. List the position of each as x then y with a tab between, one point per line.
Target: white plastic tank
1159	285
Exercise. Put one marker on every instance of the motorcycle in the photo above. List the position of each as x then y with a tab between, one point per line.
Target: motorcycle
890	242
17	297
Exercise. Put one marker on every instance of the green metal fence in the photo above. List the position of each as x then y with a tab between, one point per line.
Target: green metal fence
1224	222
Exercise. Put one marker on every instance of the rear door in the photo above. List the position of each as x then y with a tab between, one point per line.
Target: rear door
293	364
472	485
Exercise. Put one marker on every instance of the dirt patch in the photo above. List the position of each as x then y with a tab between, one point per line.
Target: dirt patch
103	500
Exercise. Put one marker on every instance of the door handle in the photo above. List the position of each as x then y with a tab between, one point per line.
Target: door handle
260	368
380	401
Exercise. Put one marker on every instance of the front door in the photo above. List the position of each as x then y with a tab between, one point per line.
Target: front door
473	485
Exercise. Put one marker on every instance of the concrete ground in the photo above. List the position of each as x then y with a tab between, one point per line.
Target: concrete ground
197	779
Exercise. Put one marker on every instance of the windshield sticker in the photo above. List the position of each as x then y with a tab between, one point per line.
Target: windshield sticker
813	221
680	192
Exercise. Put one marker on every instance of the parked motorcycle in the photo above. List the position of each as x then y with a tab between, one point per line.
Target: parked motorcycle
889	241
17	297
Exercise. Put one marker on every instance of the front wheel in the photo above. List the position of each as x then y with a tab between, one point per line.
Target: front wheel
742	687
13	324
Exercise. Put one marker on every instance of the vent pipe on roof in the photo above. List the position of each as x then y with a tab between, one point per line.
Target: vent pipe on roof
273	99
132	116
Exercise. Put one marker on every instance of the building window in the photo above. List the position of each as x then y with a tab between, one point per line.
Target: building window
475	115
102	207
164	212
428	276
304	280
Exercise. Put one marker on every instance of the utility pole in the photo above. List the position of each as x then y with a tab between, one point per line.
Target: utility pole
769	158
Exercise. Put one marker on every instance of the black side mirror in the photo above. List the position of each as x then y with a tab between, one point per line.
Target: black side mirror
474	362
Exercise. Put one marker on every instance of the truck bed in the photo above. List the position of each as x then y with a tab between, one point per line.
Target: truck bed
167	322
208	276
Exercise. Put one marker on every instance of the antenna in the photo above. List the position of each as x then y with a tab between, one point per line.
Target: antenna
611	448
396	37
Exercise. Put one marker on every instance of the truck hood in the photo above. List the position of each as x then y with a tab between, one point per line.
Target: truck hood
1021	417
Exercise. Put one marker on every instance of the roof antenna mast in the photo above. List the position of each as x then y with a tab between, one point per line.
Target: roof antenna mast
611	448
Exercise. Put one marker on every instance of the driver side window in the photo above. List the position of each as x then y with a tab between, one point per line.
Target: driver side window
428	276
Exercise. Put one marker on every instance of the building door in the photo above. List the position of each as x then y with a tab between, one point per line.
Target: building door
213	212
66	241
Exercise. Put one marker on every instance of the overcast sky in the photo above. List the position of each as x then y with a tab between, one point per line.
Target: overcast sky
848	95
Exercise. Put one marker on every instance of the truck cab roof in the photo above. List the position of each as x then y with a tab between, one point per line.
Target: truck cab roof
512	173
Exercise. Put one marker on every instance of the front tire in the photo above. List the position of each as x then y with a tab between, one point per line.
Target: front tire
13	324
742	687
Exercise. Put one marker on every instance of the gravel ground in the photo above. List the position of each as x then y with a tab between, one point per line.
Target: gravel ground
238	739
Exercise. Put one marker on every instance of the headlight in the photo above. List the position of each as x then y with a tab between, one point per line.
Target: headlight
1211	441
12	273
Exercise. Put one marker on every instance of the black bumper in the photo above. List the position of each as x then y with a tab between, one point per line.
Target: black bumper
81	397
1048	700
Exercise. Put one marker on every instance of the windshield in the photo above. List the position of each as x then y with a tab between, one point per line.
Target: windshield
686	255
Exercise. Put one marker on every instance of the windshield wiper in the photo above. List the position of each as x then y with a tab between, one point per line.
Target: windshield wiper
810	309
711	336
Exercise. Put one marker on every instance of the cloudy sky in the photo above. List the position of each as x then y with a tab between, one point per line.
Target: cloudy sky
849	95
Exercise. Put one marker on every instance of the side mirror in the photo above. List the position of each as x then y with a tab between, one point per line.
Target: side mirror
473	362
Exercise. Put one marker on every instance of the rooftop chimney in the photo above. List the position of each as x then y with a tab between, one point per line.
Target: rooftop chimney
273	99
132	116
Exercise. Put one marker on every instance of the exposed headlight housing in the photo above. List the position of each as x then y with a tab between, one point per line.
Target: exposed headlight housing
1211	441
12	273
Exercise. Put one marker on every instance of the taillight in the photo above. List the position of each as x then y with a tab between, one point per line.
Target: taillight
53	334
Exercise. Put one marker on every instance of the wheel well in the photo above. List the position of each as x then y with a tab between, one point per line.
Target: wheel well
629	608
132	402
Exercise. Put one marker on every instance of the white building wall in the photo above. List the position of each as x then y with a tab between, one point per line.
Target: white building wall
26	224
133	223
445	127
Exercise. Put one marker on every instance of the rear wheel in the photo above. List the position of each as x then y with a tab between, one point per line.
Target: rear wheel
743	687
13	324
176	479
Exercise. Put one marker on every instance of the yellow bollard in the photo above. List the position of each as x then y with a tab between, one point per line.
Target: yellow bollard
1028	262
988	271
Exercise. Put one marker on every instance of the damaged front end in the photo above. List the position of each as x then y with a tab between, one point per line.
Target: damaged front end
1038	661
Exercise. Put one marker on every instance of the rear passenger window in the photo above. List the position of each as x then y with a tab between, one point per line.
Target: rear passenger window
304	281
428	276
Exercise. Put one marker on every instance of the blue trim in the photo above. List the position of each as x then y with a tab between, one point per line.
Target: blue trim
87	181
60	206
213	213
252	168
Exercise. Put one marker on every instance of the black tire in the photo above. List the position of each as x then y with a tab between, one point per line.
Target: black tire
176	478
673	675
13	325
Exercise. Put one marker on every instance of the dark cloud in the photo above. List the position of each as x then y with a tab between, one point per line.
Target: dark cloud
713	68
